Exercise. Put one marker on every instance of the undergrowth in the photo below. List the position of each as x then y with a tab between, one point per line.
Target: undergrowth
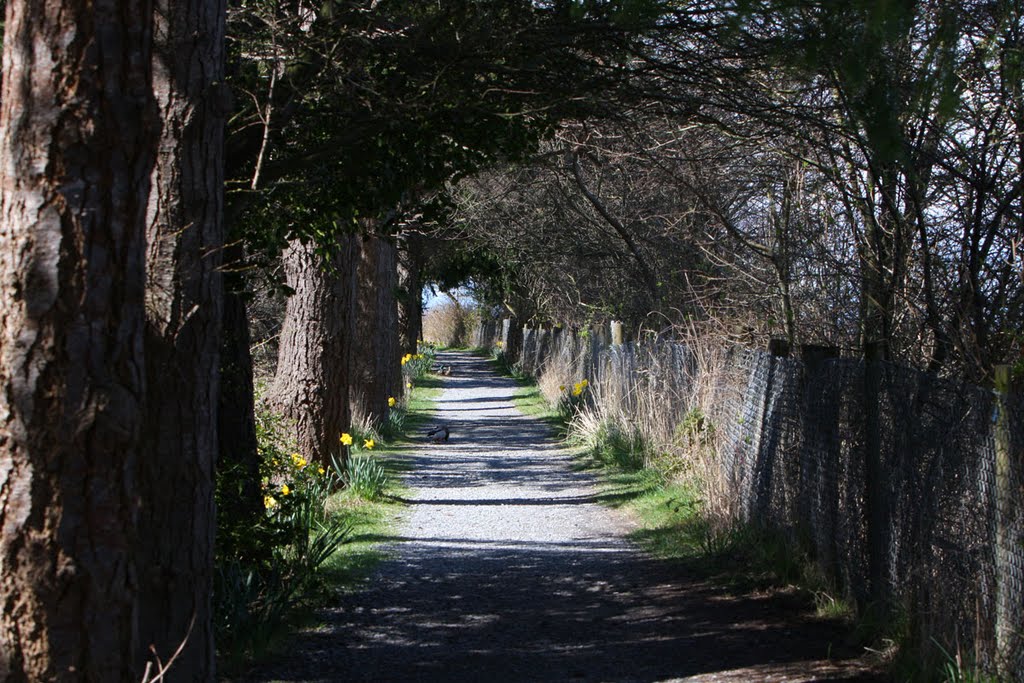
319	530
673	485
663	488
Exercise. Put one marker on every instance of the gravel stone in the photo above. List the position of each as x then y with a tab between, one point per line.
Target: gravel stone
508	569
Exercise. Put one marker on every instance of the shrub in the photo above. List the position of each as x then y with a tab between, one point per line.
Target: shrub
609	442
268	563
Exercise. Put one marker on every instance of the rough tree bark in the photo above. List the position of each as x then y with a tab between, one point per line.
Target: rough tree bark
78	134
184	295
311	385
410	299
376	369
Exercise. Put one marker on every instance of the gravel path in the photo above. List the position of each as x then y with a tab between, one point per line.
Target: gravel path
508	570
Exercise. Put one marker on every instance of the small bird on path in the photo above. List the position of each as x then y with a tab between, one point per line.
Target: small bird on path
439	433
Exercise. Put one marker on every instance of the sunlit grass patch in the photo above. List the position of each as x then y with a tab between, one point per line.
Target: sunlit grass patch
372	523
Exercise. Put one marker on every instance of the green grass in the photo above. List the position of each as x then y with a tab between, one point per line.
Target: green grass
371	523
421	404
531	402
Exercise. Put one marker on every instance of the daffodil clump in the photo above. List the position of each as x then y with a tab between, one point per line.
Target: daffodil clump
571	399
359	472
498	353
417	365
286	479
270	550
394	424
352	441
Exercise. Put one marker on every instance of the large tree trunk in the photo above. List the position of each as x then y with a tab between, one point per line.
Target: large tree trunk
311	386
184	296
78	136
410	294
377	373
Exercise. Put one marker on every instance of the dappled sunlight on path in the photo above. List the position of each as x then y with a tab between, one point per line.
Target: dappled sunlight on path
507	569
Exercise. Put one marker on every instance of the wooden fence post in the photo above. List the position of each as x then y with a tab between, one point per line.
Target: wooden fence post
778	347
813	355
1009	527
617	337
875	486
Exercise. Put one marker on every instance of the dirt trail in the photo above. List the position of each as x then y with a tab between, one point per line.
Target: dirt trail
507	569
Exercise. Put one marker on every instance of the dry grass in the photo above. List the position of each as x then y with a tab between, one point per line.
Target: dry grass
560	373
663	404
449	324
363	425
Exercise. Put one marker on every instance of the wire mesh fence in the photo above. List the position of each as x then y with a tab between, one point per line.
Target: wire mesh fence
906	488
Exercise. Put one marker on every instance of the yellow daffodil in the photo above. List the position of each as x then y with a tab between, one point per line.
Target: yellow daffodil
584	383
408	385
577	390
320	470
285	490
368	444
391	401
346	439
298	461
269	502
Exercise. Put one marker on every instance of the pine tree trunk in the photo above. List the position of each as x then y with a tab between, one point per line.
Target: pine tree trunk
377	373
78	136
410	295
311	386
184	296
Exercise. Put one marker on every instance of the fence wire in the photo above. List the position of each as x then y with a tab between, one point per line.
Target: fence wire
904	486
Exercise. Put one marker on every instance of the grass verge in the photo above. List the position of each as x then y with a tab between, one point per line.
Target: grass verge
373	521
272	614
673	523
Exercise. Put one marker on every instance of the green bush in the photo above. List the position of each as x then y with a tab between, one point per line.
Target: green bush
610	443
270	551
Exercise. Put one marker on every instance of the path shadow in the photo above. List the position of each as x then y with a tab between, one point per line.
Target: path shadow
500	599
455	609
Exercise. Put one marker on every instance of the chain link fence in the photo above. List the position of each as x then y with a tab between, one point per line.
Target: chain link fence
906	488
